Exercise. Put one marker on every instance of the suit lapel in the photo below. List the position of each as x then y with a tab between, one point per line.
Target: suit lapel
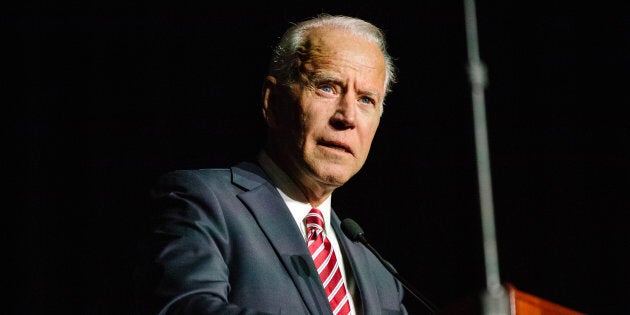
356	255
276	221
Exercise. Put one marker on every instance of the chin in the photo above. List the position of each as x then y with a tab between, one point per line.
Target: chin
335	181
336	177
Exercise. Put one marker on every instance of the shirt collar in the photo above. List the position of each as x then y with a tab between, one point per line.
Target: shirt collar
298	209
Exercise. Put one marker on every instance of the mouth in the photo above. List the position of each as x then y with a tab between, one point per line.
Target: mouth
336	145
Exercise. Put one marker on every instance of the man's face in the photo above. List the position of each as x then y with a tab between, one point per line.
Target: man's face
339	103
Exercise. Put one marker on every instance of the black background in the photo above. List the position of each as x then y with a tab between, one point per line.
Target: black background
110	94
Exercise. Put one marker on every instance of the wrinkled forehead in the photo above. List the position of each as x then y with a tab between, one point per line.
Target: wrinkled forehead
347	54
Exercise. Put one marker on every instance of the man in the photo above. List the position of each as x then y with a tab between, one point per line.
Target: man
235	241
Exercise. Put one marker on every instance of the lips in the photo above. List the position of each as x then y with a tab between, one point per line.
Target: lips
336	145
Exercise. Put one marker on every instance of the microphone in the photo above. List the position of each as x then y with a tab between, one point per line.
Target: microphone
353	231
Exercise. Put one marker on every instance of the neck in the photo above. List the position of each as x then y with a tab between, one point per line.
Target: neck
291	185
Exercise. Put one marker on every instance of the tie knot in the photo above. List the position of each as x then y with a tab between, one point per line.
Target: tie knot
314	220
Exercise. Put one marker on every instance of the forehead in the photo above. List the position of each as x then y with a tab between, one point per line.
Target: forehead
339	49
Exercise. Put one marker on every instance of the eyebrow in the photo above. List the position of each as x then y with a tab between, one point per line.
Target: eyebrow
317	76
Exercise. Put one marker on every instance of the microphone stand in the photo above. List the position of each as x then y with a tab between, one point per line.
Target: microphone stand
355	233
495	299
428	304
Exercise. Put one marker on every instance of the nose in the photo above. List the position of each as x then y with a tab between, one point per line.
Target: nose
345	113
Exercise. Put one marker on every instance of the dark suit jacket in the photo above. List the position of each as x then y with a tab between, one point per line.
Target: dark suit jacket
224	242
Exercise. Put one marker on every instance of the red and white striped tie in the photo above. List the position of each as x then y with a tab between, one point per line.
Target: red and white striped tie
326	263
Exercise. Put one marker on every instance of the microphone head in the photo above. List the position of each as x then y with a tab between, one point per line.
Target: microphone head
352	230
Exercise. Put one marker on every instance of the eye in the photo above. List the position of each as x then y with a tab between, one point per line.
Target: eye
327	89
367	100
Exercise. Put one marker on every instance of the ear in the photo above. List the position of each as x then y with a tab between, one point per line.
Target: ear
270	101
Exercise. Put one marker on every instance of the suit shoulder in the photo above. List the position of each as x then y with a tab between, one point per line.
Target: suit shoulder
196	173
194	177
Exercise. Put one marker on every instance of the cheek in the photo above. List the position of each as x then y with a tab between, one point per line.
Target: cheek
367	136
314	119
371	128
